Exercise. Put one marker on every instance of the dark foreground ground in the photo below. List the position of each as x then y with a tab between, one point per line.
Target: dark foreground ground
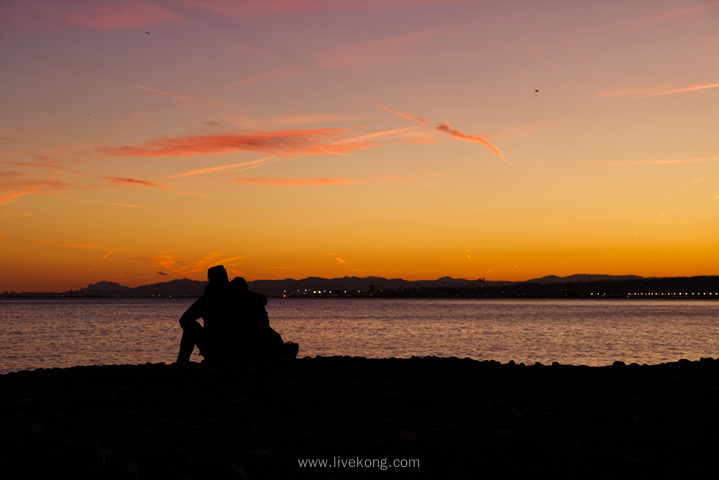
448	418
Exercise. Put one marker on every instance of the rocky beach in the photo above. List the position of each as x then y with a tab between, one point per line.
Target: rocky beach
424	418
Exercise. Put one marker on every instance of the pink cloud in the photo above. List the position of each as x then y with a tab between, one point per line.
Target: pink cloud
286	143
108	14
145	183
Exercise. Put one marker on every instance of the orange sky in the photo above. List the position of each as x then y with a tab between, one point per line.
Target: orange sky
143	141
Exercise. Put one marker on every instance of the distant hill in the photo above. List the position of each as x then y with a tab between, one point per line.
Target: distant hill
552	286
290	286
101	287
174	288
583	278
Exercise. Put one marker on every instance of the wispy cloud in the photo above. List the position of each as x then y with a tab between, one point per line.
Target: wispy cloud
320	181
181	98
443	127
66	244
253	9
178	264
338	258
95	202
145	183
372	51
19	187
296	182
675	161
681	12
313	119
41	162
373	135
286	143
264	77
521	131
644	91
252	163
29	164
14	214
100	261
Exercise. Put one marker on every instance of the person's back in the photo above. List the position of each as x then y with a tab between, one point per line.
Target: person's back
251	332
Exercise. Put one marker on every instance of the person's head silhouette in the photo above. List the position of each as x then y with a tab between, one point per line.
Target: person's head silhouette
240	284
218	275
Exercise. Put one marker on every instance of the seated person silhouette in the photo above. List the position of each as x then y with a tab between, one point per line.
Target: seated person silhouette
235	323
251	326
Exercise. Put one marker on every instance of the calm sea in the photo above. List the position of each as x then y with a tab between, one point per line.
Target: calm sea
63	332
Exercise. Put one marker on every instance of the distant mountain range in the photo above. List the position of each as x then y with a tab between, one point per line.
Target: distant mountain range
549	286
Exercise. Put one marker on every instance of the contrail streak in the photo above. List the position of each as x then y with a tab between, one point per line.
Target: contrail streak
404	115
177	96
680	90
222	167
443	127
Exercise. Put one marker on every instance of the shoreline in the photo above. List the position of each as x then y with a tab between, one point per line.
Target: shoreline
459	418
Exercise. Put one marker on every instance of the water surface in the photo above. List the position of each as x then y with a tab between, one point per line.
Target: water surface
63	332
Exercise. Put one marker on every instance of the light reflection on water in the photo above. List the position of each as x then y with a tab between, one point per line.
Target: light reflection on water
44	333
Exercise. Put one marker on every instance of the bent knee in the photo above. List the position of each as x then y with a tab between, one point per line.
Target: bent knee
186	323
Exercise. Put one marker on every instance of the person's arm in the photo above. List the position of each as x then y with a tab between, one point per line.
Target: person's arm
192	313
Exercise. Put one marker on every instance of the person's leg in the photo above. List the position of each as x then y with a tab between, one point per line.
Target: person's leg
192	334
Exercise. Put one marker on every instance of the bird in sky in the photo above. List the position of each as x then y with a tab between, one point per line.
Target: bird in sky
147	33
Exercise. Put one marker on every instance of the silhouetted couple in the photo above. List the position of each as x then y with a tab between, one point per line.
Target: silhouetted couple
236	325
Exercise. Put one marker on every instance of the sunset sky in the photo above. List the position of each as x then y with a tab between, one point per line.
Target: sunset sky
144	141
